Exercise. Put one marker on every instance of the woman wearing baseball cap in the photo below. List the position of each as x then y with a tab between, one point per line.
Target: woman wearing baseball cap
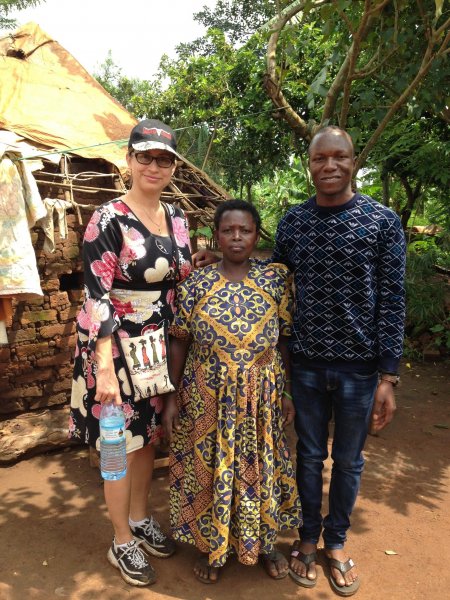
135	249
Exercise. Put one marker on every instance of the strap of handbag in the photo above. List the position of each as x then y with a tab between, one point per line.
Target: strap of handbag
175	251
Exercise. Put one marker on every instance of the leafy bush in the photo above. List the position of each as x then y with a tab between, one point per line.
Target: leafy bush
427	324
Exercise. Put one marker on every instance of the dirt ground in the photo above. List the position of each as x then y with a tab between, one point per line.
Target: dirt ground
54	531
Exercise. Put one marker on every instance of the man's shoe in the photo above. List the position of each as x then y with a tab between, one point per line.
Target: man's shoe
152	539
132	564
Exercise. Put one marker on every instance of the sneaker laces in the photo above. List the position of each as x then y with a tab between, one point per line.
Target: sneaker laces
153	528
135	555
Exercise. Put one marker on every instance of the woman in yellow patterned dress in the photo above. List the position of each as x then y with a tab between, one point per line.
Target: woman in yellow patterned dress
232	483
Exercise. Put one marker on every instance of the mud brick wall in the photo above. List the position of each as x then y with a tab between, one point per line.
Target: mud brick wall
36	365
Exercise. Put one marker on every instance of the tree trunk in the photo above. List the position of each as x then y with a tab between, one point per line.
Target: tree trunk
248	187
412	195
385	181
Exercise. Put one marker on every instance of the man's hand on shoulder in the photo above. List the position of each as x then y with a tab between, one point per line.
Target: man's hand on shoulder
203	258
384	406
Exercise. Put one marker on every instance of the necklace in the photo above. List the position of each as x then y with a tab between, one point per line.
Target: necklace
158	225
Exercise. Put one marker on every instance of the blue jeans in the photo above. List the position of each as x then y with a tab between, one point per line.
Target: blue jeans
318	394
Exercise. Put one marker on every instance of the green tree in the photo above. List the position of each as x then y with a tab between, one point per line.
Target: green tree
416	153
135	94
238	20
8	6
326	64
216	103
386	57
275	194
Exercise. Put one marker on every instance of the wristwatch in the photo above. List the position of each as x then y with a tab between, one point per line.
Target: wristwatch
391	377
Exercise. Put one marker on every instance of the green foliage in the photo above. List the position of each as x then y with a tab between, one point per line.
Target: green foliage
212	94
237	19
443	334
8	6
205	232
134	94
426	316
361	74
216	103
419	148
275	195
411	349
205	235
413	156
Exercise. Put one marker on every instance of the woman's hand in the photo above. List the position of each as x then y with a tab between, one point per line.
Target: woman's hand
288	410
170	415
203	258
107	387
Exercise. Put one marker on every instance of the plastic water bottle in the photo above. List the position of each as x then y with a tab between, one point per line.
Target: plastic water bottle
113	456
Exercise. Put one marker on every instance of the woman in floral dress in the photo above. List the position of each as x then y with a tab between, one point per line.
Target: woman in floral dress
129	266
232	483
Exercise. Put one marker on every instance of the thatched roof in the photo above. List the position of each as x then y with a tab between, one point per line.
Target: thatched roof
50	101
48	97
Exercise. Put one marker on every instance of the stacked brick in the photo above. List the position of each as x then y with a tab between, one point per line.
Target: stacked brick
36	365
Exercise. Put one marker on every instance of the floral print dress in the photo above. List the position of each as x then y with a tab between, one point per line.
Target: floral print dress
129	288
232	484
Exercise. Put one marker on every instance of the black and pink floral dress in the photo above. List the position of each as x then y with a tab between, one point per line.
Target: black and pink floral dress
129	288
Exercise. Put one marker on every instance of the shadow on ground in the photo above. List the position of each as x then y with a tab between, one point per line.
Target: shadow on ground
55	531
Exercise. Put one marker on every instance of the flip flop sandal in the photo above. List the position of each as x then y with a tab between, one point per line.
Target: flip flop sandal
203	562
342	590
273	557
306	559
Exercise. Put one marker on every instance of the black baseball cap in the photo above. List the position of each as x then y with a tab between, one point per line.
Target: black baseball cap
151	134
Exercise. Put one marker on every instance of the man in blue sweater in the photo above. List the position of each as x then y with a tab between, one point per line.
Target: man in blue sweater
347	253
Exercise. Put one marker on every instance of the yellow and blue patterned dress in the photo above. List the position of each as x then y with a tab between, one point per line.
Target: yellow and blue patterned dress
232	482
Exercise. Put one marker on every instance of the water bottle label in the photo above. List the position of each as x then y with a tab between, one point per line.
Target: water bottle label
115	434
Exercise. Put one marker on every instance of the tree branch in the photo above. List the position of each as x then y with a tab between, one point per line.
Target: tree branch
294	121
443	28
271	81
385	182
344	17
424	68
345	76
360	74
208	151
378	7
354	53
445	115
417	189
424	18
335	88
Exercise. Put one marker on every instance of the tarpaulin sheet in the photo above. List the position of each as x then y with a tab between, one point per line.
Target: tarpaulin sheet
48	97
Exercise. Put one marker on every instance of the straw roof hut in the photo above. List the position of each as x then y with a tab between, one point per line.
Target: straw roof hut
62	153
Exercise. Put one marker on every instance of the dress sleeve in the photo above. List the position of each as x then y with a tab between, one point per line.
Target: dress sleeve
185	302
286	304
101	249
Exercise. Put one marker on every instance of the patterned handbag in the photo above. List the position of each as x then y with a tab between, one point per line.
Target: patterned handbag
146	356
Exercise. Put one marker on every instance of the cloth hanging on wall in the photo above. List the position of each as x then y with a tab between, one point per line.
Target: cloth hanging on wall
58	206
20	207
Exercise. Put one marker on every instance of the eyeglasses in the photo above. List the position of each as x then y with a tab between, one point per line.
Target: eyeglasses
146	159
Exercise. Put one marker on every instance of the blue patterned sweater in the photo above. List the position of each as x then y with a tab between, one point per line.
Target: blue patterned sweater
348	264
